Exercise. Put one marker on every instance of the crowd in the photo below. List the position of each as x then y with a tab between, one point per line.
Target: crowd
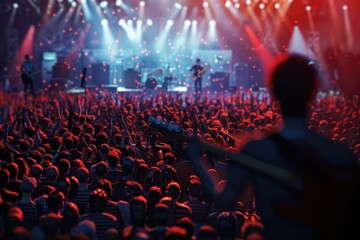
104	166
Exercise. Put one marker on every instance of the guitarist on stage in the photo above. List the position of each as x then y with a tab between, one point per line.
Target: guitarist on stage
197	70
317	208
27	69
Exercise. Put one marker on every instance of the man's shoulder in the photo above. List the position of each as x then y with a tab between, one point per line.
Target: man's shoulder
333	152
184	207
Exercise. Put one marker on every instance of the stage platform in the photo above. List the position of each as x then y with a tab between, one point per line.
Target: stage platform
112	88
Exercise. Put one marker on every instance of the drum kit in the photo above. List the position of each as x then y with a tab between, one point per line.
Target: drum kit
157	76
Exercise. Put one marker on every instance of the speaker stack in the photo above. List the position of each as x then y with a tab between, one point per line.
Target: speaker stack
60	75
132	78
100	74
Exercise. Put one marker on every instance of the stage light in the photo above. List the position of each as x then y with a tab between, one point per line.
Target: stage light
103	4
194	22
187	22
129	22
142	4
228	4
308	8
262	6
15	5
139	22
212	22
237	5
345	7
248	2
104	22
178	5
118	3
170	22
277	5
149	22
73	4
121	22
205	4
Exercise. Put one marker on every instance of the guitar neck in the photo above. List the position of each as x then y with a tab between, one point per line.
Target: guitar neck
280	174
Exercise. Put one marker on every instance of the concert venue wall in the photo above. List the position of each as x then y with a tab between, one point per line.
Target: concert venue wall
159	38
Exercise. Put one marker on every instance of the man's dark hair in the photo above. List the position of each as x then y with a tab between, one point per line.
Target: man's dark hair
173	190
23	145
135	188
82	174
198	60
4	178
55	143
161	214
105	185
13	170
97	200
113	159
188	225
101	138
206	233
226	224
101	169
55	201
194	187
37	155
293	82
68	143
63	166
63	185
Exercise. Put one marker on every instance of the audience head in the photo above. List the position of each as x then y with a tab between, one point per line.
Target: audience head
4	178
70	216
194	187
82	175
50	225
55	202
206	233
97	200
55	143
52	173
105	185
36	171
175	233
188	225
28	185
226	224
161	214
13	170
253	230
173	190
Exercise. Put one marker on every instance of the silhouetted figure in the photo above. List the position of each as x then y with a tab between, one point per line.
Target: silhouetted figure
27	70
293	83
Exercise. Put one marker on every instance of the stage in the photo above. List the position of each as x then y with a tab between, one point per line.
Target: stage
112	88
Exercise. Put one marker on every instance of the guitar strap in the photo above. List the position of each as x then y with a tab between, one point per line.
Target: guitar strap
302	156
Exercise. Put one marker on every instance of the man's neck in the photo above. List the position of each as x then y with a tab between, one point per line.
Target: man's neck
26	197
82	186
295	121
193	198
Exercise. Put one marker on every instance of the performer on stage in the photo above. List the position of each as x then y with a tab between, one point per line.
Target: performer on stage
27	69
197	70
